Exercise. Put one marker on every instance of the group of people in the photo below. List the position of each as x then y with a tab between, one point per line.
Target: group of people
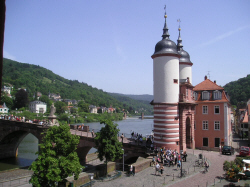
80	127
168	156
137	137
23	119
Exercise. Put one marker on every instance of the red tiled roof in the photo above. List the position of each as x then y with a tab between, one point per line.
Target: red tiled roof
245	120
248	107
207	85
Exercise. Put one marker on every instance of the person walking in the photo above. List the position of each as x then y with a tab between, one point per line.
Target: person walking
131	170
162	169
157	168
122	136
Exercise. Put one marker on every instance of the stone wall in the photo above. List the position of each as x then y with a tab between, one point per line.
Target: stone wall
99	171
142	163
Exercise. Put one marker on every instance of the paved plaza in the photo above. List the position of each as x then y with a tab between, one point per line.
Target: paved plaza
171	176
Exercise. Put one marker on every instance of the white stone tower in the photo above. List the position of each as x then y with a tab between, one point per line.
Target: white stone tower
185	63
166	92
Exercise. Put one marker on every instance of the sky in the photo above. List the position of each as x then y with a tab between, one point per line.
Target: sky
108	44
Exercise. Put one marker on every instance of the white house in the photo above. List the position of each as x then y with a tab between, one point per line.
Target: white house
4	108
38	107
93	109
7	89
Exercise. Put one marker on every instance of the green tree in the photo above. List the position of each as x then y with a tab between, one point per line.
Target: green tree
83	107
45	99
8	101
60	107
57	158
107	143
21	99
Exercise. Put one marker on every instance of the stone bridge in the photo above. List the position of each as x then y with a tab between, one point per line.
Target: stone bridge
13	132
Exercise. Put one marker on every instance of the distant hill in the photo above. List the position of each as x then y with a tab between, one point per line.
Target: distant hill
38	79
145	97
239	91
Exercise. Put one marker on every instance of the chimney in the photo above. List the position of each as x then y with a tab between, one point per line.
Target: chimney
205	77
215	81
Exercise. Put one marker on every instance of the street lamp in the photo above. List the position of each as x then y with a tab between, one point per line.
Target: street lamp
123	161
181	161
91	177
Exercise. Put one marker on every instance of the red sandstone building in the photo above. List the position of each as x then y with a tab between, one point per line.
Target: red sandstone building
212	116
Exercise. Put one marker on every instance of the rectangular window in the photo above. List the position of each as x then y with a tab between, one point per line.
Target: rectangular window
217	109
204	109
217	125
205	95
186	92
216	142
205	125
205	142
195	96
176	81
216	95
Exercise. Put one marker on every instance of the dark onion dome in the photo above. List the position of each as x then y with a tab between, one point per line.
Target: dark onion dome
184	54
165	47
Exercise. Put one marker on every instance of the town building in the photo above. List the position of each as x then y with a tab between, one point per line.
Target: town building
243	122
93	109
7	89
4	109
212	116
186	116
37	107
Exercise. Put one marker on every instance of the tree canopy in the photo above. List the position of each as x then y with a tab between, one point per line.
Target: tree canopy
108	145
57	158
239	91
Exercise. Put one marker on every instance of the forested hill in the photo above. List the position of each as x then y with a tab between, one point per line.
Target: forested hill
239	91
38	79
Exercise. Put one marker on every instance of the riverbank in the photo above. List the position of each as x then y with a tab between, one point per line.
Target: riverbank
11	174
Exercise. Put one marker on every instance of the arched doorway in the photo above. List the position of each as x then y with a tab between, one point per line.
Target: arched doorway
188	133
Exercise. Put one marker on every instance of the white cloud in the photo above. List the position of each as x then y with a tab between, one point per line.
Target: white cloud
225	35
8	55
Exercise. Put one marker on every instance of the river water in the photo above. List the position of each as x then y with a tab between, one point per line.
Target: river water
29	146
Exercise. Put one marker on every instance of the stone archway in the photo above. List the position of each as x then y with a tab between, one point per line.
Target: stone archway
188	133
10	143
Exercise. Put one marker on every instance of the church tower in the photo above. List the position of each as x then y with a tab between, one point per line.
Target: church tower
166	92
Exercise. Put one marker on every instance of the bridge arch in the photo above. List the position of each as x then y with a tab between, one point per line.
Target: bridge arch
13	132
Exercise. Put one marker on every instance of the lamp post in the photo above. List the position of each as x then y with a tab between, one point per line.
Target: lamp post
91	177
181	163
123	161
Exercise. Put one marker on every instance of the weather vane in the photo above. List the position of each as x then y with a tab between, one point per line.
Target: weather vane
165	9
178	20
208	74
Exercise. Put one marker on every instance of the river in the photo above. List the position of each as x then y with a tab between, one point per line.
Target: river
29	146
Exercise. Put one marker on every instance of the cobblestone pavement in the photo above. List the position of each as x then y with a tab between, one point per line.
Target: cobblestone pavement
194	177
146	178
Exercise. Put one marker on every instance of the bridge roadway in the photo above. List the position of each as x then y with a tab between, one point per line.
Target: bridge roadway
13	132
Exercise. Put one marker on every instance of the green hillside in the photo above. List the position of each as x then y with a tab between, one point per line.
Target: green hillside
239	91
38	79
